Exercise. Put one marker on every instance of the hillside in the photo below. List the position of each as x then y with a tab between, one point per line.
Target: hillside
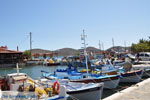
89	49
119	49
71	51
67	52
40	51
92	49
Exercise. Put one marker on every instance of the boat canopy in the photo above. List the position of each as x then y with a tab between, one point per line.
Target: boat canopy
17	78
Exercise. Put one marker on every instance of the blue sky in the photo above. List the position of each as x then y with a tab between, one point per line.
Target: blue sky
57	24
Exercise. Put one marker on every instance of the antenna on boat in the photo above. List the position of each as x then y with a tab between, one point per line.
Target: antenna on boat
83	38
17	68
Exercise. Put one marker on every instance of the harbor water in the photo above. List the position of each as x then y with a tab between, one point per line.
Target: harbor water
33	71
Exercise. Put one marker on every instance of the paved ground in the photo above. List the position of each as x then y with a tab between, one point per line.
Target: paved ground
140	91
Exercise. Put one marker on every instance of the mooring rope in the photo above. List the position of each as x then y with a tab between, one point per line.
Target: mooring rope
140	76
73	98
147	72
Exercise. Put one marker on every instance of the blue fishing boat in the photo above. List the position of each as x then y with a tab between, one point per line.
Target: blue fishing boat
110	81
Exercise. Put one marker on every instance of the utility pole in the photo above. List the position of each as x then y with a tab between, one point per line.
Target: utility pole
17	48
30	45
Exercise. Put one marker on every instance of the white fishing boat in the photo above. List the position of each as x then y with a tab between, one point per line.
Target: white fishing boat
79	91
19	86
16	95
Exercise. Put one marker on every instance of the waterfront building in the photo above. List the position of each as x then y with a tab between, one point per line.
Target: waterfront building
9	58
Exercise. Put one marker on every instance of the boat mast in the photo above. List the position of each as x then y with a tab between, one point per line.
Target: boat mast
99	44
83	36
30	45
113	44
125	46
103	46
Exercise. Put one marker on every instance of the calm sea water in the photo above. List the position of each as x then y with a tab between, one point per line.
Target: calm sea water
32	71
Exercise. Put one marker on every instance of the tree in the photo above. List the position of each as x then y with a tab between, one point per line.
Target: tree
27	54
142	46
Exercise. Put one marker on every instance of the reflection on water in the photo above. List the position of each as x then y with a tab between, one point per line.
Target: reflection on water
32	71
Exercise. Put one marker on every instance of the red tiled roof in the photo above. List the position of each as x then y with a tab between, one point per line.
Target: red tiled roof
8	51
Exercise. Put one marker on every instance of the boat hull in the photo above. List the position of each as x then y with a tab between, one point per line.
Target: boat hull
53	64
109	82
145	67
88	94
134	76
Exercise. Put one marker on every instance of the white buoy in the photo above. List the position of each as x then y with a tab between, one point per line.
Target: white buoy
62	92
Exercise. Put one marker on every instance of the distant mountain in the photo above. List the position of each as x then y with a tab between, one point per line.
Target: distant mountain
90	49
72	52
119	49
40	51
67	52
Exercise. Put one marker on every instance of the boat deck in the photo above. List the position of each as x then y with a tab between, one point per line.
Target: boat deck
141	66
139	91
144	62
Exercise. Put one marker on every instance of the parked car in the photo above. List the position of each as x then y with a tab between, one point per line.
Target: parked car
144	56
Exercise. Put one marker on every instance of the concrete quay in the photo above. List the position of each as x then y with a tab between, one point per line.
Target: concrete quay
140	91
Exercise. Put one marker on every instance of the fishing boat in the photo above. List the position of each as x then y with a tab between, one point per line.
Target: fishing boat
52	62
126	72
20	86
110	81
145	67
104	69
131	76
79	91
